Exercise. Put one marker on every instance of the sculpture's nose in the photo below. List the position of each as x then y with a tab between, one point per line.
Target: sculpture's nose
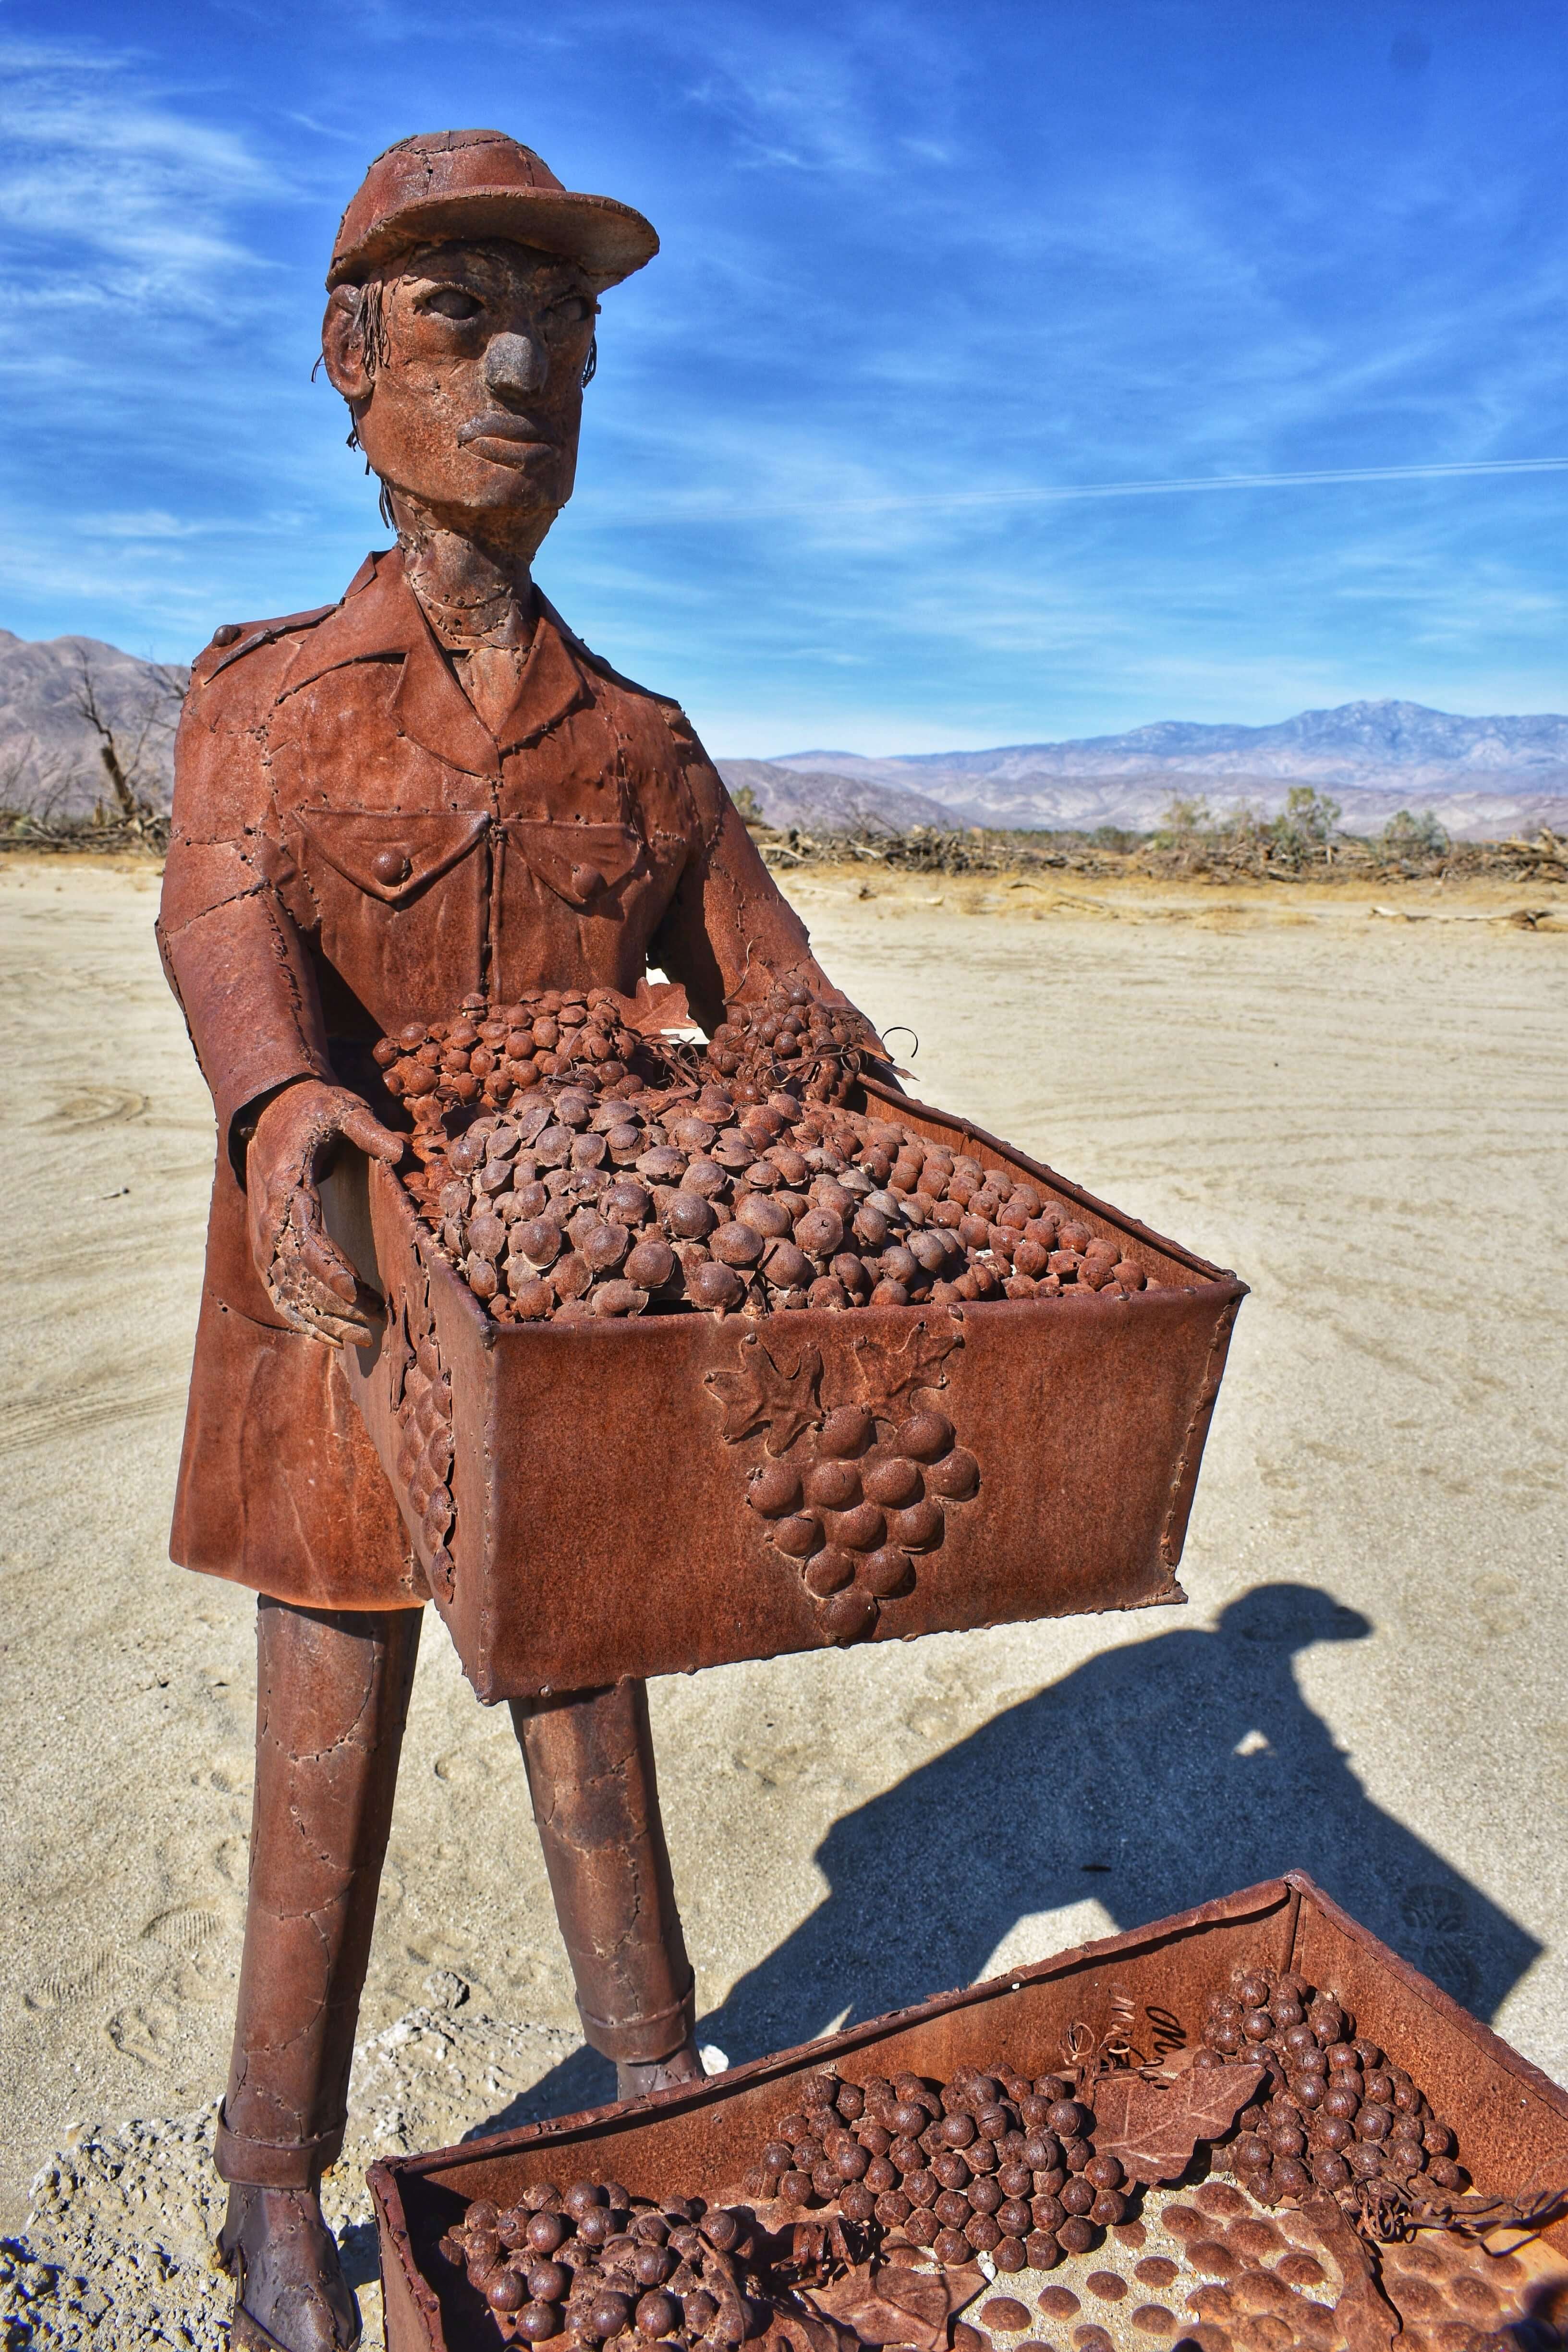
515	365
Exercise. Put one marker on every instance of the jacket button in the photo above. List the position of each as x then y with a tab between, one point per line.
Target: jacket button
389	866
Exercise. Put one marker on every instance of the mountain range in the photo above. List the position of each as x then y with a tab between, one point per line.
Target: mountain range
1483	778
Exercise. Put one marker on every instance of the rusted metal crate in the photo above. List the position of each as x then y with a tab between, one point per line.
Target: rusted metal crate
599	1476
1512	2123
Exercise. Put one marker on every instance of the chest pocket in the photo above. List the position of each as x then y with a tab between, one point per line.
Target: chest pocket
401	899
578	904
584	866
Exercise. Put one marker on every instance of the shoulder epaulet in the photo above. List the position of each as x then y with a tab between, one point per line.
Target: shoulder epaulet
245	637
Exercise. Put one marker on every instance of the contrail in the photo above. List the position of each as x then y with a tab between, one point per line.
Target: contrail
1050	493
826	505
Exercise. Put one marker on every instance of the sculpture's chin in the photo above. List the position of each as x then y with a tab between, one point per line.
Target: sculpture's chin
517	499
480	474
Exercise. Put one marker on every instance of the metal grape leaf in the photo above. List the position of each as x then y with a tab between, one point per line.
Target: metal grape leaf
799	2330
895	2306
1152	2127
658	1006
890	1375
762	1395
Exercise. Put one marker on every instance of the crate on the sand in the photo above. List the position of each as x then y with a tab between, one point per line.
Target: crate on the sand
1194	2261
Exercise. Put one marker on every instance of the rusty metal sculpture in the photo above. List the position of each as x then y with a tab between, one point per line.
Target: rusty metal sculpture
873	2205
428	789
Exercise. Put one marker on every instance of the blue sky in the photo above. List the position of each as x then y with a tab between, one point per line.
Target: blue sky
943	287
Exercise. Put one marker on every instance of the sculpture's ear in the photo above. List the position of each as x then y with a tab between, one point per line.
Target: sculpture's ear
342	345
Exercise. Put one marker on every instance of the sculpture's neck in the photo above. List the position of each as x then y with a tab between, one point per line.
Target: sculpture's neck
472	592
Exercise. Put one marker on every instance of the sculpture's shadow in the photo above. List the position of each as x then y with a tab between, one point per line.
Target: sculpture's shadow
1157	1775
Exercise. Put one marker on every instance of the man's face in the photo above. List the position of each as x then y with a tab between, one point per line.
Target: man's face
478	393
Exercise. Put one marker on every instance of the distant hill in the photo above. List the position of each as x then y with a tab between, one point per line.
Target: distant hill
49	749
1483	777
826	802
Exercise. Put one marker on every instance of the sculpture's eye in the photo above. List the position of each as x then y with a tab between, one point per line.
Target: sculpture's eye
453	302
569	313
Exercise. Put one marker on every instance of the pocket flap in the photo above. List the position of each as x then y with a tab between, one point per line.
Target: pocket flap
390	855
579	862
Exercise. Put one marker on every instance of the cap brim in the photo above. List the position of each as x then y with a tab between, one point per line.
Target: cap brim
609	240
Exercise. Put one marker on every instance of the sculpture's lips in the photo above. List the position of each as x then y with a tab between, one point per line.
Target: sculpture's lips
519	433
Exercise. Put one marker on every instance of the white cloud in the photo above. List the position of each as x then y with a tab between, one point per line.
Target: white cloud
150	523
110	194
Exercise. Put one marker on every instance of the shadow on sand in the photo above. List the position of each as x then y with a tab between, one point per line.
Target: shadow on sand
1155	1776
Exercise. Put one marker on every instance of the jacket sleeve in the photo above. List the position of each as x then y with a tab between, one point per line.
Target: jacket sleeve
231	950
730	932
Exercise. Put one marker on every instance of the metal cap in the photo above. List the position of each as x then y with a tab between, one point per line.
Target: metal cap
443	184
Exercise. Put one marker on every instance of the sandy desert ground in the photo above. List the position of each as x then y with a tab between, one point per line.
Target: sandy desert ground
1366	1115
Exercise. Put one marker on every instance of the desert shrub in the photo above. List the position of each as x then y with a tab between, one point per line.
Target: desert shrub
1184	821
1305	826
1409	836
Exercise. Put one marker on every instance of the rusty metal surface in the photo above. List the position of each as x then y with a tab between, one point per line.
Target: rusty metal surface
594	1792
599	1522
1511	2121
332	1699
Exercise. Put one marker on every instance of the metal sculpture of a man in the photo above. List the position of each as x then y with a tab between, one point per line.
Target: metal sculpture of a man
427	789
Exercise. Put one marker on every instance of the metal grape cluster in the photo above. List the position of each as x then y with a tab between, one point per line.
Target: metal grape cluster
851	1494
1337	2115
485	1056
790	1039
984	2163
422	1409
594	2266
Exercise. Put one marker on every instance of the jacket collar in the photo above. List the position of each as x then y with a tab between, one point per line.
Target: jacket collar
380	619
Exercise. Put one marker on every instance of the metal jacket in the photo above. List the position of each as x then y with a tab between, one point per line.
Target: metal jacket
352	849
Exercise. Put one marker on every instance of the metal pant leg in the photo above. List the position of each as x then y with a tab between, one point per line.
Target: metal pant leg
590	1775
332	1689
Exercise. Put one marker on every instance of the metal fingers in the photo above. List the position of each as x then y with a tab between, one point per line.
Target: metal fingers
311	1283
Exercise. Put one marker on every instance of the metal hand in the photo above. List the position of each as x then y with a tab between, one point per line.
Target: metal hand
308	1278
